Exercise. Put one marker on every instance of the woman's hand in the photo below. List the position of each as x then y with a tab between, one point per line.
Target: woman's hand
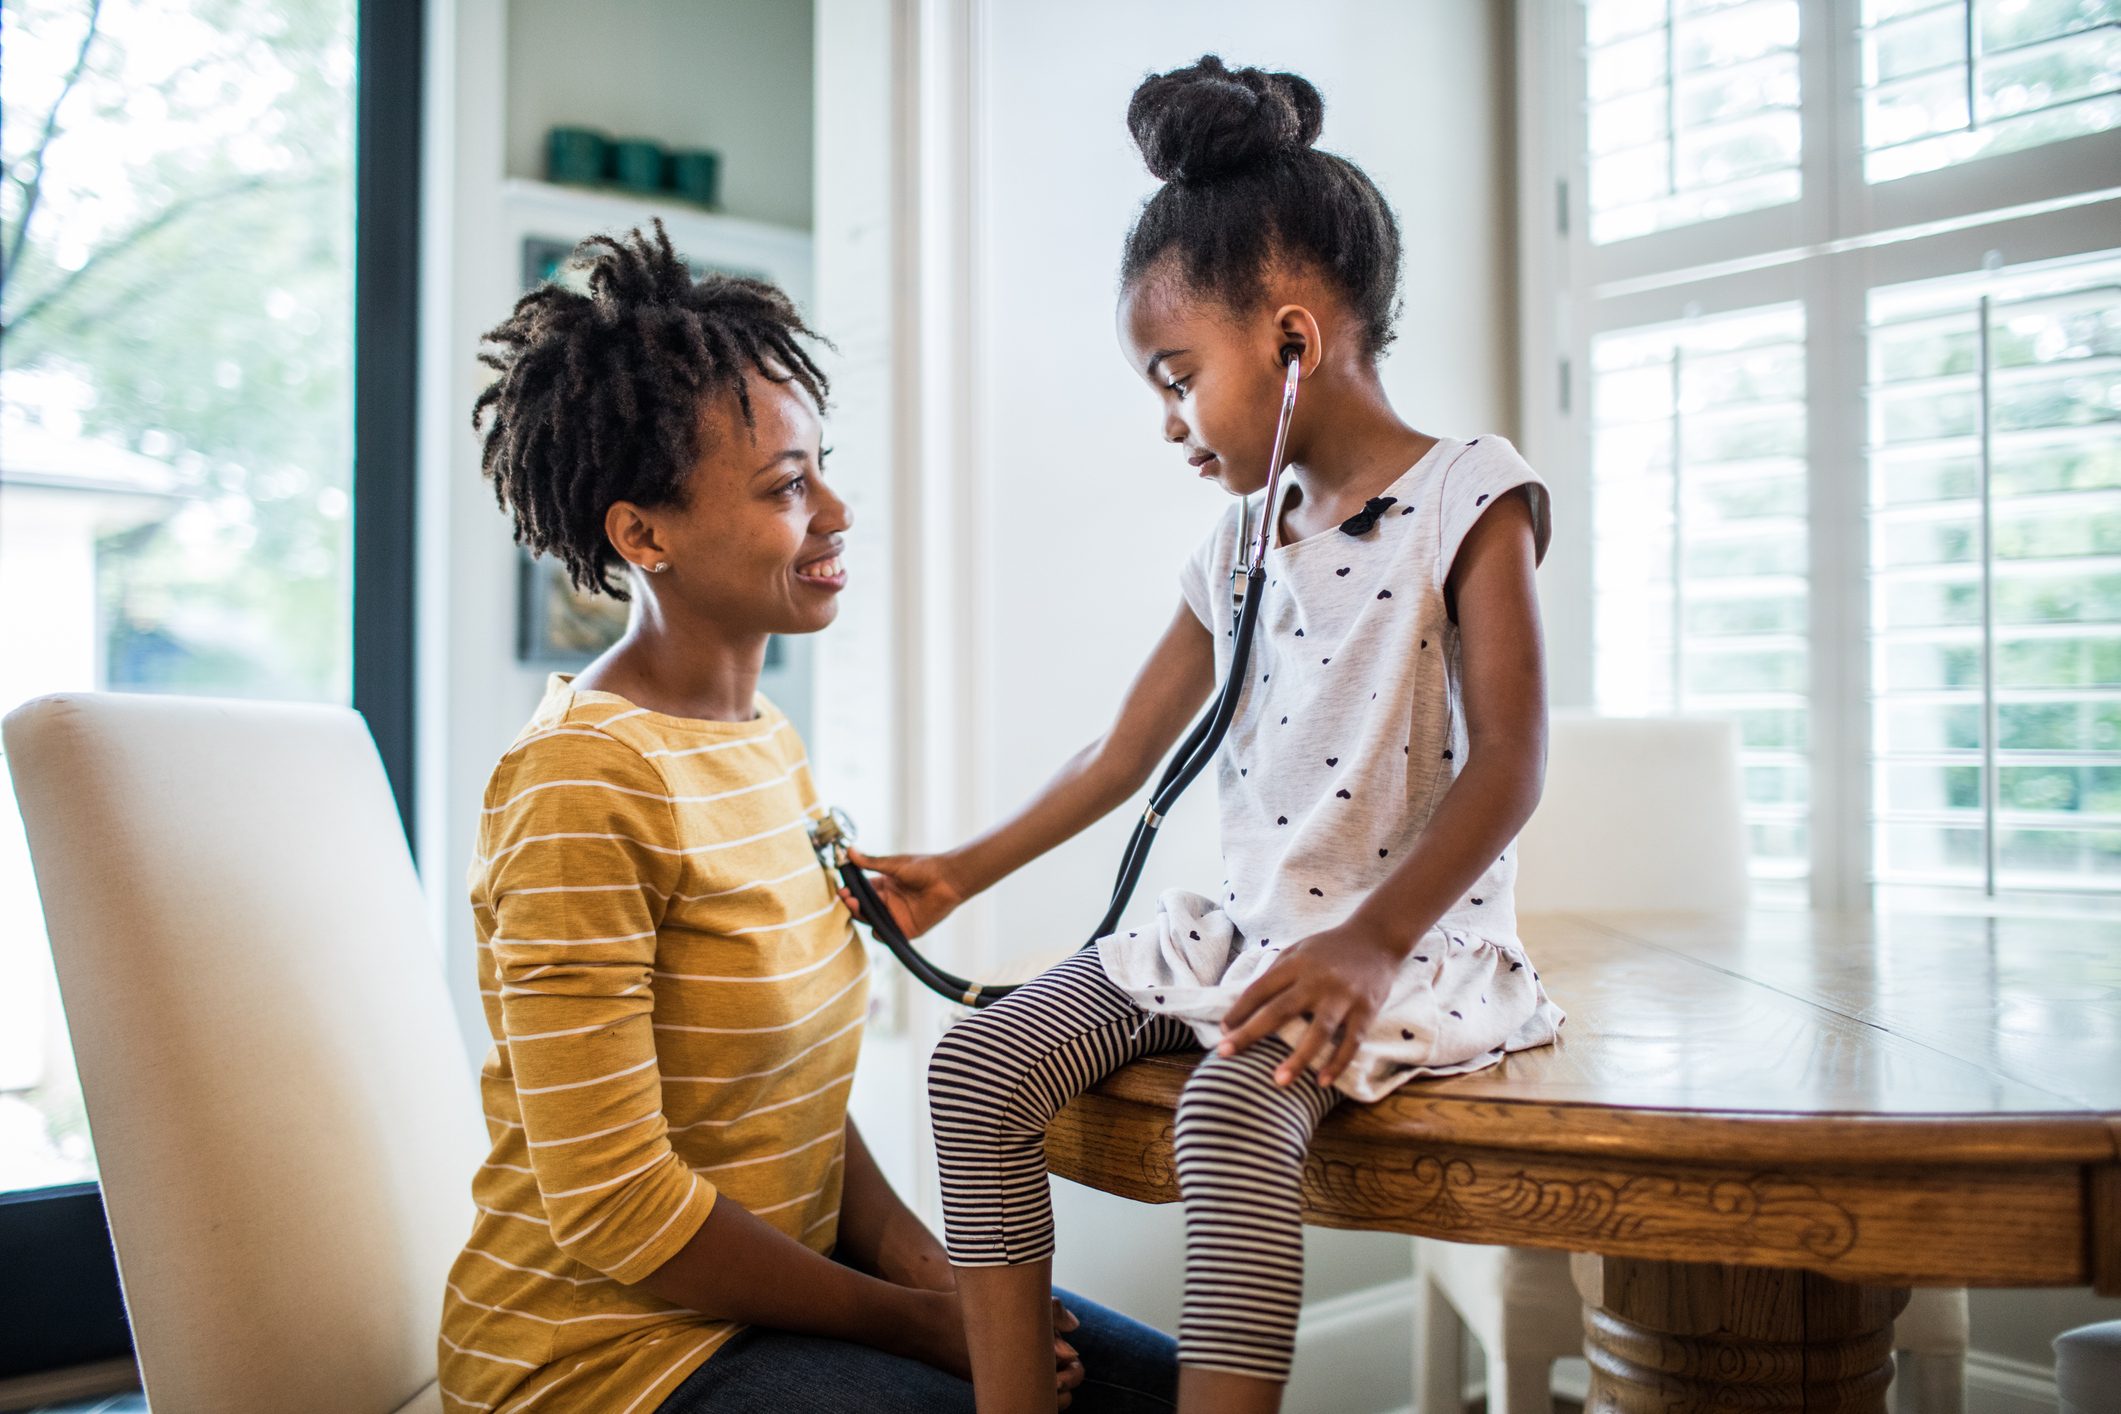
917	888
1336	981
1067	1365
936	1336
935	1332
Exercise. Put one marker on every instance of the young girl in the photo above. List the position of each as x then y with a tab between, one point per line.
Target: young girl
1388	747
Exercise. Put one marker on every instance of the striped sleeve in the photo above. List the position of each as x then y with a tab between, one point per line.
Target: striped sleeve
584	857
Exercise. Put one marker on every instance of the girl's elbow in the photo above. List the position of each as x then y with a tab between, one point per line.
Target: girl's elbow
1115	768
1535	786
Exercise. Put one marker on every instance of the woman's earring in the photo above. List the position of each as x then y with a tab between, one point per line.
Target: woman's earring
659	566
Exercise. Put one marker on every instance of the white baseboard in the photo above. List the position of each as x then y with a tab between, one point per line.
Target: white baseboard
1997	1384
1354	1353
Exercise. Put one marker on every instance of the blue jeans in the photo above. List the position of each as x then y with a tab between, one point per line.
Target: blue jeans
1128	1368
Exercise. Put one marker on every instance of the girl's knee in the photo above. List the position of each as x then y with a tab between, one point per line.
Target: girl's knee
993	1071
973	1050
1247	1074
1236	1096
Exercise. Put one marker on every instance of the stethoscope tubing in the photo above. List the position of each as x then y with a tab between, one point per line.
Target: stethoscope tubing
1202	741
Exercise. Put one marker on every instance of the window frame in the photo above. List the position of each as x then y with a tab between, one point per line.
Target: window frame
1825	251
388	122
64	1280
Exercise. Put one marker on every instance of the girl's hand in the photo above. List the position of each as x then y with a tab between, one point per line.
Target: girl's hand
1336	981
917	888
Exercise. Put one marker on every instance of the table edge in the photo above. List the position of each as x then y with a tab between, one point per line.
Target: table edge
1592	1129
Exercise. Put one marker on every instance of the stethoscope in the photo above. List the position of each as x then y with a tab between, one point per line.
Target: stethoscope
833	835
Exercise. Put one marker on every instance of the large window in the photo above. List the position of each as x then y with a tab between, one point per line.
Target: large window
1995	550
1837	343
1943	83
178	410
1700	550
1692	111
176	385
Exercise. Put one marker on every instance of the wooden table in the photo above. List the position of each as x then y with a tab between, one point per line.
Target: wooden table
1766	1129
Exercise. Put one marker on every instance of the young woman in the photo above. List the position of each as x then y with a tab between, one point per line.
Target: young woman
677	1212
1389	745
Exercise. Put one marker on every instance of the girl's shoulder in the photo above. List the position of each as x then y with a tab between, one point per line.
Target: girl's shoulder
1472	477
1468	469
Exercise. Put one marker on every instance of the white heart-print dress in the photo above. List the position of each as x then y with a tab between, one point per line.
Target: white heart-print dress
1350	730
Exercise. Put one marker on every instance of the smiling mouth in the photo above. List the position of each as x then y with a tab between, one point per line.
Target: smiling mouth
828	571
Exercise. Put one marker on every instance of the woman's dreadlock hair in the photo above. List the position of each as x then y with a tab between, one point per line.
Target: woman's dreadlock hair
1243	185
600	394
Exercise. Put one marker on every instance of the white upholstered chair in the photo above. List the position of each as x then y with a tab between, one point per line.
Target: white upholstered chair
1639	814
2088	1367
282	1108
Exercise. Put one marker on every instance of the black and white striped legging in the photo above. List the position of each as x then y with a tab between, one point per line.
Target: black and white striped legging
1001	1074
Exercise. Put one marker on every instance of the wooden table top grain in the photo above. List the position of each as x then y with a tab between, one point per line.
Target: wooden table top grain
1884	1102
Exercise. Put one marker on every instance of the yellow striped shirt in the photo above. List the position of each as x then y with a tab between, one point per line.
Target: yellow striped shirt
676	997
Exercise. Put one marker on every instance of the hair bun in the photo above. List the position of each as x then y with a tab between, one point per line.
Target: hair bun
1207	121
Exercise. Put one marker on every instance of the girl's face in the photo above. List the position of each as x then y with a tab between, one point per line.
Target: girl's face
755	543
1218	375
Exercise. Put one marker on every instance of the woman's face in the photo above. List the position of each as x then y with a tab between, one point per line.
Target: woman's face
1217	374
755	544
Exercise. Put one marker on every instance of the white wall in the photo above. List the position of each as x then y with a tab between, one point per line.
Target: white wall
1083	513
730	75
499	73
856	711
1086	510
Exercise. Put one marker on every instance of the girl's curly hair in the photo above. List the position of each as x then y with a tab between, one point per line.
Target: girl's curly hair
1243	186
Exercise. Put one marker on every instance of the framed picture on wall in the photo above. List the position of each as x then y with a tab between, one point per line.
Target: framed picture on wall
543	258
558	625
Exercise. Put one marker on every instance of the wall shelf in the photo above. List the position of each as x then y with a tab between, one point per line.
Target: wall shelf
549	211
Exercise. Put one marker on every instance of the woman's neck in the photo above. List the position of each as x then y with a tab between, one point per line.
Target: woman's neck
680	666
1360	446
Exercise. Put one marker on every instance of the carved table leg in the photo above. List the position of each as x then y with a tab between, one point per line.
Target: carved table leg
1696	1338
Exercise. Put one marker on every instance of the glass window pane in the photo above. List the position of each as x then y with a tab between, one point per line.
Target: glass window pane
1938	724
1699	547
1930	787
1920	42
1948	82
1928	853
1692	114
175	405
2042	860
1995	545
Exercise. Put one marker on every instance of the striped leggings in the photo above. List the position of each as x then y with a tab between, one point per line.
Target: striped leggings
1001	1074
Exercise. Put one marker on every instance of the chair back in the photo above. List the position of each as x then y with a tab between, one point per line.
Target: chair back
280	1100
1640	814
